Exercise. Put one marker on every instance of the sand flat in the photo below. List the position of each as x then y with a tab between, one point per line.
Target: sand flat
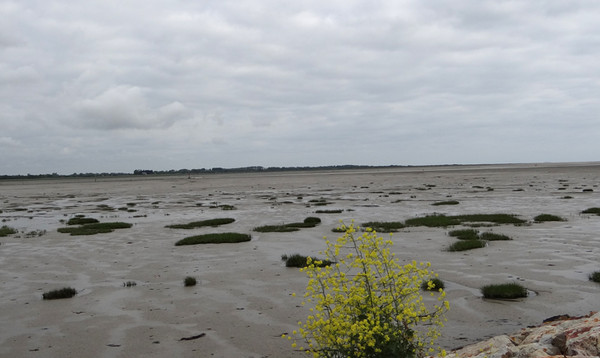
243	301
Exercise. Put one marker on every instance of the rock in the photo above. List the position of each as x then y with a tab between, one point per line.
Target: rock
560	342
584	338
497	347
534	350
560	336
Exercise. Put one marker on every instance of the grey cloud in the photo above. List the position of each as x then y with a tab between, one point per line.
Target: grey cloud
125	107
9	142
19	75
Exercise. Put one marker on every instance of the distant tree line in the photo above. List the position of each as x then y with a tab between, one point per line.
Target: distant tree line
55	175
215	170
253	169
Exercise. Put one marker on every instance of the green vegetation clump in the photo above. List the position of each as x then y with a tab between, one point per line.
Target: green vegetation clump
223	207
220	238
448	202
5	231
383	226
436	220
105	207
491	236
196	224
547	217
434	284
66	292
592	211
94	228
464	245
297	260
319	202
595	276
276	228
78	220
189	281
465	234
504	291
310	221
493	218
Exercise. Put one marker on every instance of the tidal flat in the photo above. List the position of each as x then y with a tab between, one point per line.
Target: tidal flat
243	298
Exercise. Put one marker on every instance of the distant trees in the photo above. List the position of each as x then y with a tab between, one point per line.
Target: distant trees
215	170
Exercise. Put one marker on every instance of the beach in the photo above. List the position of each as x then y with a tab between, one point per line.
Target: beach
243	301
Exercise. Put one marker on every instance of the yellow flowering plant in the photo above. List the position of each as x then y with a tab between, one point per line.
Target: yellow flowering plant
366	304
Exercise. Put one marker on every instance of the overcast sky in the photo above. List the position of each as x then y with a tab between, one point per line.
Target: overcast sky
113	86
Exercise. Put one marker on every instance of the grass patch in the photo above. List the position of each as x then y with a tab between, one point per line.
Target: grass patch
595	276
66	292
310	221
105	207
464	245
591	211
189	281
275	228
220	238
448	202
465	234
504	291
547	217
319	202
493	218
297	260
6	230
435	284
94	228
433	221
441	220
78	220
384	226
491	236
223	207
196	224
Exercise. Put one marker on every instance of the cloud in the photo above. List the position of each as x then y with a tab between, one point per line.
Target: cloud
9	142
126	107
18	75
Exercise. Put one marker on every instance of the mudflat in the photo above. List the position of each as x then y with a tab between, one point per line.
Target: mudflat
243	301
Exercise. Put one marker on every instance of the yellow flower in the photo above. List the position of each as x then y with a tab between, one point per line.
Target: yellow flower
367	304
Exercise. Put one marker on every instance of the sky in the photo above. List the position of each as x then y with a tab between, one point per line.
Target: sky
114	86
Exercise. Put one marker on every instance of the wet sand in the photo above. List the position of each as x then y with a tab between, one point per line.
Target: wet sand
243	301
